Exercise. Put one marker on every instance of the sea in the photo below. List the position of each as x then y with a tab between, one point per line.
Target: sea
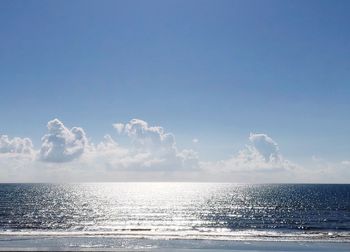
170	211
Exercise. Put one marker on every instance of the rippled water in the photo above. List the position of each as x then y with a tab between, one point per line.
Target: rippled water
185	210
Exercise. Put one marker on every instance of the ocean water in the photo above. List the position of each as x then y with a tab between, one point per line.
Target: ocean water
210	211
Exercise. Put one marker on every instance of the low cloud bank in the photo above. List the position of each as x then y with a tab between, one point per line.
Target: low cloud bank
151	154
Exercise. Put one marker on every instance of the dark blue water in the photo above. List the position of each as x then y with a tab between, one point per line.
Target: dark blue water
187	210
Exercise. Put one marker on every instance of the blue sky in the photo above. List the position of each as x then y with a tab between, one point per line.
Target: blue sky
212	70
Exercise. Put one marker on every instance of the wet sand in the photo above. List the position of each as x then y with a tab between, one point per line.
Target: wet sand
42	243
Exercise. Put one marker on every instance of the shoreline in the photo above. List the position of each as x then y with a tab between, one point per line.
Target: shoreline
238	235
115	243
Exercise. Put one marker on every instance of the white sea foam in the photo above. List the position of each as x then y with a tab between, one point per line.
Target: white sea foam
212	234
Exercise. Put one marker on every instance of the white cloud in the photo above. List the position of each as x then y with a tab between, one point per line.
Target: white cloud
119	127
15	145
195	140
265	146
16	154
151	148
262	162
62	144
150	138
262	155
152	154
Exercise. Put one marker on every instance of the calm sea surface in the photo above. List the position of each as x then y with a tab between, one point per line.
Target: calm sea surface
177	210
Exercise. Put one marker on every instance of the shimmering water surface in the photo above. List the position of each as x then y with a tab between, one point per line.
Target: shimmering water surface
177	210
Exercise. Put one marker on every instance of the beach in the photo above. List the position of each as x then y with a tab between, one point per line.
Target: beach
47	243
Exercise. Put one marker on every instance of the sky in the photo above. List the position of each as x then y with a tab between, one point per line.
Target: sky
238	91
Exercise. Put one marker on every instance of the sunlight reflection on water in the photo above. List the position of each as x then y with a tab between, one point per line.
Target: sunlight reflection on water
173	208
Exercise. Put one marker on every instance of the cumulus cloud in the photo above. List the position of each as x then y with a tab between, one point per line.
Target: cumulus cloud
261	155
150	138
62	144
195	140
265	146
151	147
15	145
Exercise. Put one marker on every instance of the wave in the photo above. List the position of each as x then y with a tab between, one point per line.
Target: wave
146	233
